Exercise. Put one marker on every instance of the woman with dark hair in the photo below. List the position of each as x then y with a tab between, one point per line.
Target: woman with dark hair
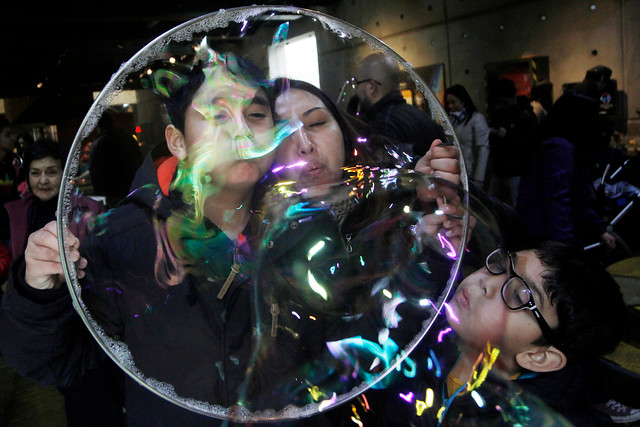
328	141
322	147
43	163
321	135
340	224
471	129
323	151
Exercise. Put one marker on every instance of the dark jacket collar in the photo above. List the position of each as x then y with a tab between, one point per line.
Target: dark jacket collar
391	98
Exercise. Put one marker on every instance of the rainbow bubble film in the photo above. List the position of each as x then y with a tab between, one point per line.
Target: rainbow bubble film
272	263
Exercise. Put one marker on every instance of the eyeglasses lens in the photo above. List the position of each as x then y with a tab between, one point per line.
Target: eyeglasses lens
516	294
498	262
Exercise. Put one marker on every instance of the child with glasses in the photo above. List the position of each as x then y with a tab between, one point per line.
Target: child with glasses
541	317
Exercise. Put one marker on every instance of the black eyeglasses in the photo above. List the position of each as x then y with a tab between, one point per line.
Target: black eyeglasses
368	80
516	294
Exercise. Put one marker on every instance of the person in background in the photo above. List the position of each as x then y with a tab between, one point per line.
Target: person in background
471	129
115	158
384	108
43	162
513	128
8	184
201	197
542	99
555	192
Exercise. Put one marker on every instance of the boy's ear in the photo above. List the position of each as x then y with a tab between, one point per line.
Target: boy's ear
542	359
175	142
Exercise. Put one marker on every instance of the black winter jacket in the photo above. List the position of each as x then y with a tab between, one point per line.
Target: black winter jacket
393	117
178	333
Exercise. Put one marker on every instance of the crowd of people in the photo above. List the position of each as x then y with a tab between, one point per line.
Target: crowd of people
540	156
168	271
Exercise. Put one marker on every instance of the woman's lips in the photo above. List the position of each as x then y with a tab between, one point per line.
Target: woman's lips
314	171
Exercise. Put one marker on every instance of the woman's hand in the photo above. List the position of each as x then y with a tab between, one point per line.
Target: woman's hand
441	161
446	223
42	257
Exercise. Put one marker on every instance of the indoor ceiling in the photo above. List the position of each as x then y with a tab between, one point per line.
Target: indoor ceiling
68	47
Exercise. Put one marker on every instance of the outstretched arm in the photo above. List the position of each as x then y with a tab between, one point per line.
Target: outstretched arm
41	335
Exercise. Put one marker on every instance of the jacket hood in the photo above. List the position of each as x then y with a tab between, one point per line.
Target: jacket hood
150	187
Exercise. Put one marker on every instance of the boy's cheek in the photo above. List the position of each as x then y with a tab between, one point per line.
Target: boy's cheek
485	325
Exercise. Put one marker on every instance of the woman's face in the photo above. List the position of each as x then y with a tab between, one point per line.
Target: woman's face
314	154
44	178
454	104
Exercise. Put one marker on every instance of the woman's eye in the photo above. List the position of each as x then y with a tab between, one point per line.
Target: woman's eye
316	124
257	116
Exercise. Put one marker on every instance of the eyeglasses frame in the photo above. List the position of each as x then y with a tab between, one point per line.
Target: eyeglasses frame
368	80
547	332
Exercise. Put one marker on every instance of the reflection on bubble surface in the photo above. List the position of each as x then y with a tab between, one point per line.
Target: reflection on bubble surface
231	287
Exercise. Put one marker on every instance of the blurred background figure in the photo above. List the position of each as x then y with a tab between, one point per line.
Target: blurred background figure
383	107
513	126
43	162
8	184
115	158
23	142
556	190
541	99
471	129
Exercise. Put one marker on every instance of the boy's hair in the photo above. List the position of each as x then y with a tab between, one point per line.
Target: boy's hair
180	98
587	300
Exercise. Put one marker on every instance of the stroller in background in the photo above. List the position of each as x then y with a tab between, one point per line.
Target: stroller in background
617	203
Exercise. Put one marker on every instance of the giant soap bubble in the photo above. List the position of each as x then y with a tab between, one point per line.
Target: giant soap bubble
240	279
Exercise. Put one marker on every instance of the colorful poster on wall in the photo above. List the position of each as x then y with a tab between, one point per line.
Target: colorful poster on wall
433	76
522	81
